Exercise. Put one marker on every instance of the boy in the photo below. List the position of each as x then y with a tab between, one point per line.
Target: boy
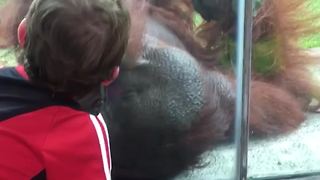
70	48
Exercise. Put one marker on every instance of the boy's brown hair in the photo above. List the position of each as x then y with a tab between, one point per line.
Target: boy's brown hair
73	45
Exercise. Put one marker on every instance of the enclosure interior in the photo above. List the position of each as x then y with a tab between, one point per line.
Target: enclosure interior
176	108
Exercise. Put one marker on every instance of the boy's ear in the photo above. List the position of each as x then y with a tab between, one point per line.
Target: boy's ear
22	32
114	74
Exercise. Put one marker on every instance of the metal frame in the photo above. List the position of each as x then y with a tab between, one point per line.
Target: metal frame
301	176
243	74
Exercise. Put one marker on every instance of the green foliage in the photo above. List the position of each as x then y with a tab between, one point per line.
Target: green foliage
7	58
2	2
312	41
197	19
264	58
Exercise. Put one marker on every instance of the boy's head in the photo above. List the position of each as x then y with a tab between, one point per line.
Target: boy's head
72	46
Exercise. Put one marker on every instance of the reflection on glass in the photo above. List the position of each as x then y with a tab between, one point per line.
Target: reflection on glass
171	113
173	104
284	31
172	110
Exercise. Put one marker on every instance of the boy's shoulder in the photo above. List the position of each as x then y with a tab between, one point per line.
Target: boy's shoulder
19	96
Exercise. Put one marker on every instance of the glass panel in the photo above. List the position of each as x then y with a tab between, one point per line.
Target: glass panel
170	114
285	90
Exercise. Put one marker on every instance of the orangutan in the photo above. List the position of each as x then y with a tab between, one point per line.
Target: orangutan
174	99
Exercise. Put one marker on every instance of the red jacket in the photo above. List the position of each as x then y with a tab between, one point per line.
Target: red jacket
38	133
